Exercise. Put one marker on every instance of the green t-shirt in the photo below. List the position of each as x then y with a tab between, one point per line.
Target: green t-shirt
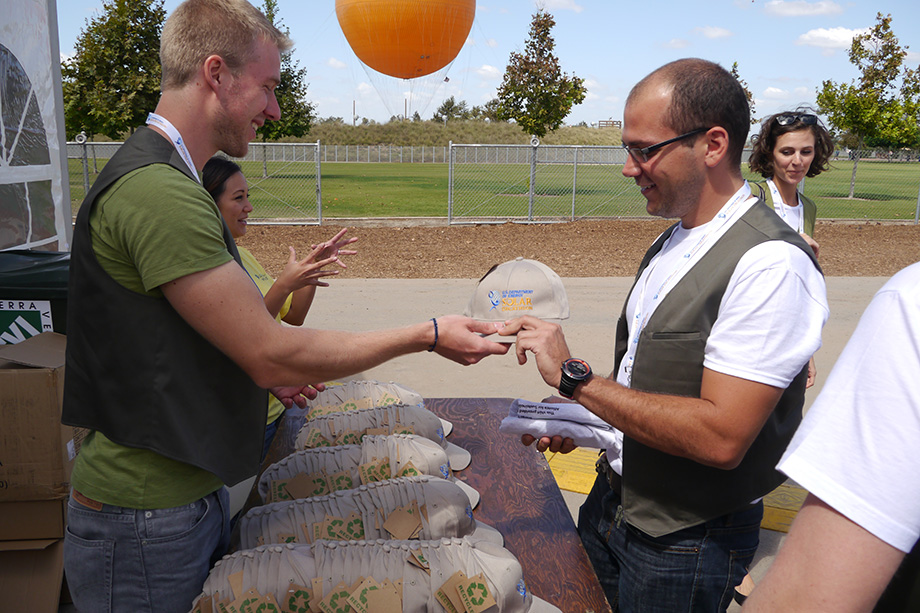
152	226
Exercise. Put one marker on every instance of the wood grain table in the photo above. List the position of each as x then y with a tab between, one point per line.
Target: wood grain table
520	499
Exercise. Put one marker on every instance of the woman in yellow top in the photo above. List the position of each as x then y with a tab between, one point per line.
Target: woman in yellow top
289	297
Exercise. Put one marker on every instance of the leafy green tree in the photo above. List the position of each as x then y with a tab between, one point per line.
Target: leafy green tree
747	92
297	114
489	110
883	104
113	80
535	92
451	109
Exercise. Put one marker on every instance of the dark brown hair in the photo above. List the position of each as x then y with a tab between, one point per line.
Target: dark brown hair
703	95
761	160
215	173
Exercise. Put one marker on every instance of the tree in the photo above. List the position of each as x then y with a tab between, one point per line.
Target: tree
747	92
113	80
884	103
535	92
451	109
488	111
297	114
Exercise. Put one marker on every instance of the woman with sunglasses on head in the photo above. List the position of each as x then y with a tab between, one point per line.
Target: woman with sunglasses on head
791	145
289	297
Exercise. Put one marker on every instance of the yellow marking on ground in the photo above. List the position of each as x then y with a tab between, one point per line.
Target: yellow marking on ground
781	506
575	472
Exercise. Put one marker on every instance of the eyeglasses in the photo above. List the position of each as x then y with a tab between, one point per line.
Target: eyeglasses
640	154
787	119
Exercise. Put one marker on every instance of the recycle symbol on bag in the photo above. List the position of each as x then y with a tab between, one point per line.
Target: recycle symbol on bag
472	588
299	602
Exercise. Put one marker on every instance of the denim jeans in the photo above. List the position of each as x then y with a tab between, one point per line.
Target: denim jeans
694	569
121	559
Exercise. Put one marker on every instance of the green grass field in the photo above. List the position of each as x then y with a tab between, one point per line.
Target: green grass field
883	190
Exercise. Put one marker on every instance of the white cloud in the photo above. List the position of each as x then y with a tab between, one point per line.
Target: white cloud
559	5
366	89
336	63
489	72
802	8
775	93
491	42
591	97
713	32
676	43
912	58
829	39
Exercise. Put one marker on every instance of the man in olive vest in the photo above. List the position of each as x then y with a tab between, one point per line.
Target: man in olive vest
709	361
170	346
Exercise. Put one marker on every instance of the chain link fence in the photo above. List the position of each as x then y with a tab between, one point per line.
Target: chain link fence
540	183
389	154
496	183
524	183
284	178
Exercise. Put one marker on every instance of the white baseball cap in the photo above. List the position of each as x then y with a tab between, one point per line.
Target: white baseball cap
422	421
519	287
367	393
427	456
273	569
447	512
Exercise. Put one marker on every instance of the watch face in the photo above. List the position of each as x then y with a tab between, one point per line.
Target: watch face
577	368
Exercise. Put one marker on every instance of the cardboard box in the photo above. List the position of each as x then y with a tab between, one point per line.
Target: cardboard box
36	451
32	560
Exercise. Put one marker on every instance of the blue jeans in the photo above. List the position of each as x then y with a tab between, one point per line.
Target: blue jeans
694	569
120	559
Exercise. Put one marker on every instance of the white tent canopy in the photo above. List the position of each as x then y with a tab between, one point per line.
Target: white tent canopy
34	191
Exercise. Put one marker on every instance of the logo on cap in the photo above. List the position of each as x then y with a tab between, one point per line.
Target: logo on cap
519	287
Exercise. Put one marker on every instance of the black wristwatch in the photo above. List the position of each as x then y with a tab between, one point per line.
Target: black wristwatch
574	371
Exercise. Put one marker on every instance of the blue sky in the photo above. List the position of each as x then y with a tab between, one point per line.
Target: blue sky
784	49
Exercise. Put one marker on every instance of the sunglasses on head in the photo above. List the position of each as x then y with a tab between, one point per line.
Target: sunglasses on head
787	119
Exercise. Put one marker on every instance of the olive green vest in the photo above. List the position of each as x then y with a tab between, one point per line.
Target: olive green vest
809	208
663	493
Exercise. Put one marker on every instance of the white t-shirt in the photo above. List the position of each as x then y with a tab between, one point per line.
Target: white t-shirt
792	214
774	281
771	314
858	448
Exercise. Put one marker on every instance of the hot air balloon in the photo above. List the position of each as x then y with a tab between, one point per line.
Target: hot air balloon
406	39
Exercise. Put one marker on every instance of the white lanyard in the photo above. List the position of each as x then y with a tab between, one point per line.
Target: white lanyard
176	138
645	307
781	207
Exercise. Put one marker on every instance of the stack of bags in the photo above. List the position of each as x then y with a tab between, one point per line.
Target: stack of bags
366	515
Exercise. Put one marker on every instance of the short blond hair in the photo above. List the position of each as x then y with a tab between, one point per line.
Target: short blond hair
201	28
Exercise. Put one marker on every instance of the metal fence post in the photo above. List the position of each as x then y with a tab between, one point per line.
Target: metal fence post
81	138
917	212
450	184
319	187
574	181
534	143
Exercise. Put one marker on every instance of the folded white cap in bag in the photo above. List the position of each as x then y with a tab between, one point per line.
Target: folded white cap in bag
445	512
273	569
365	394
421	421
426	456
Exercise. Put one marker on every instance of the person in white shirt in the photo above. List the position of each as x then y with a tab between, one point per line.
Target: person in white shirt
709	371
857	454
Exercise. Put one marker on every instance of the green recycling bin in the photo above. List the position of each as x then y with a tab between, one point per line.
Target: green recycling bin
33	293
